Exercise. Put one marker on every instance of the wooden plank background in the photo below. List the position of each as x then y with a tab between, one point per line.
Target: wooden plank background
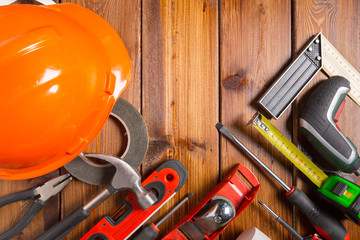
195	63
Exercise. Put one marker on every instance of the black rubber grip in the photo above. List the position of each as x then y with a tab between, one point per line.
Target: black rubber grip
18	196
321	130
25	220
179	168
148	233
65	226
291	230
320	100
325	224
98	236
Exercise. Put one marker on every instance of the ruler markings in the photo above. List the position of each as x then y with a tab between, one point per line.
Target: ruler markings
335	64
280	142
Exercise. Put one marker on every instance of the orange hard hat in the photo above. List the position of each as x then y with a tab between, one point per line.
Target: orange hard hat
62	69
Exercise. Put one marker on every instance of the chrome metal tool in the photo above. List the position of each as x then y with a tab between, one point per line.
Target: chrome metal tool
150	231
318	55
125	177
41	194
327	225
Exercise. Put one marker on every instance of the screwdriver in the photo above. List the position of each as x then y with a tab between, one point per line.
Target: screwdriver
325	224
287	226
150	231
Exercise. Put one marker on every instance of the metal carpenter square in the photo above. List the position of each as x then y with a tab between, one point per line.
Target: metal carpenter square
289	85
336	64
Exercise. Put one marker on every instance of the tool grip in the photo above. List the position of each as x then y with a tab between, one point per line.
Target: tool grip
25	220
65	226
291	230
149	232
18	196
325	224
318	122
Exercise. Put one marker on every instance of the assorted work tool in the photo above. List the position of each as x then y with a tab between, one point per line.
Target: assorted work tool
166	181
40	195
150	231
287	226
319	123
290	84
51	93
334	64
318	54
222	205
325	224
137	144
338	191
286	147
124	178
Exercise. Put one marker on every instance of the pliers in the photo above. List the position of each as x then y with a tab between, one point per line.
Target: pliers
41	194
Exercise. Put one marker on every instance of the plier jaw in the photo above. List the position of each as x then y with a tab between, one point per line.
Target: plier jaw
40	195
53	187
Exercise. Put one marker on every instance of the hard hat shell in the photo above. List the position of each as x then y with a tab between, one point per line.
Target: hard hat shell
62	68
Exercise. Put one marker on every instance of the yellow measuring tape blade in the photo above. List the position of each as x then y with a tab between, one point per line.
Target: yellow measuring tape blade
291	152
334	64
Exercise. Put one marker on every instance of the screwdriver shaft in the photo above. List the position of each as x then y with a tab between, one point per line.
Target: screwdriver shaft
228	134
268	209
150	231
174	209
326	224
287	226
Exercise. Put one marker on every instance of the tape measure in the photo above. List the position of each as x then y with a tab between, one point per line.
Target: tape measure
291	152
340	192
334	64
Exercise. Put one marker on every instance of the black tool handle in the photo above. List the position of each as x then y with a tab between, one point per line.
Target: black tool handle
319	126
65	226
325	224
25	220
149	232
291	230
18	196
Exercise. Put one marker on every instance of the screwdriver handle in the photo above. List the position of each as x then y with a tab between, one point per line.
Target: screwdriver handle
329	227
149	232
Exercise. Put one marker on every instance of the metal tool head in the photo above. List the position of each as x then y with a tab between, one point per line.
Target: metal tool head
128	178
268	209
215	214
53	187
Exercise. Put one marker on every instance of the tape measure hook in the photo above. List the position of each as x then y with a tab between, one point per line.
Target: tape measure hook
258	122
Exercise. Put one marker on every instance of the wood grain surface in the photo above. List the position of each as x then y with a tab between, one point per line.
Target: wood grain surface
196	63
255	44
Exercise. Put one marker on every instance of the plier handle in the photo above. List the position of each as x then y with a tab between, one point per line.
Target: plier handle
41	194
